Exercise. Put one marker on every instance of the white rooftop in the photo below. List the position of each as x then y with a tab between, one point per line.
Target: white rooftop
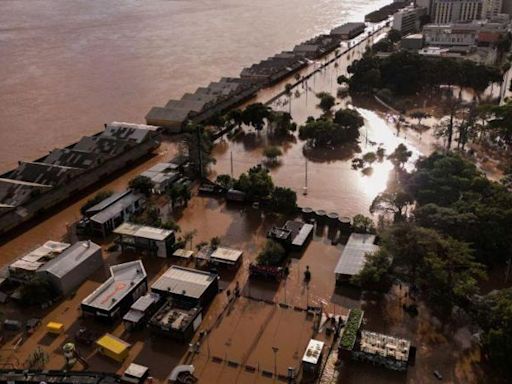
37	257
226	255
124	279
70	258
313	352
352	258
184	281
142	231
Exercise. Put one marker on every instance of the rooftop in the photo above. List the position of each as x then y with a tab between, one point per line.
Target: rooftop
353	256
115	207
313	351
39	256
60	265
124	279
226	255
112	343
142	231
385	346
184	281
172	318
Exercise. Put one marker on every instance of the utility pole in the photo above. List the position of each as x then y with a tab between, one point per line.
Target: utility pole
305	178
231	158
199	154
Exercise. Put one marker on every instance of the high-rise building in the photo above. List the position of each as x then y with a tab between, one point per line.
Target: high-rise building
456	11
492	8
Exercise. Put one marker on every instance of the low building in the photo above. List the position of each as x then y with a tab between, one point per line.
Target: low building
294	234
73	266
173	321
312	359
188	287
105	216
135	374
113	298
348	31
387	351
113	347
155	241
141	311
220	256
353	256
412	42
162	175
407	20
25	268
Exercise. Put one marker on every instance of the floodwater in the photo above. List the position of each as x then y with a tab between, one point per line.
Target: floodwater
67	67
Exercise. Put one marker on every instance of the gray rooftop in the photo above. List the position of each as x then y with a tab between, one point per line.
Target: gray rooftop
352	258
115	208
124	279
108	201
347	28
184	281
70	258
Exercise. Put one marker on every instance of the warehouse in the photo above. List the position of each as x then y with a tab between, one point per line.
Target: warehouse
353	257
72	267
154	241
188	287
349	30
114	297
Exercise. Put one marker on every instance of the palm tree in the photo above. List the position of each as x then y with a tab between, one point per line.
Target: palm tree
189	236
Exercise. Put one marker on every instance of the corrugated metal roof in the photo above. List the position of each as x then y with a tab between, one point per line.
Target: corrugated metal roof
353	256
184	281
142	231
70	258
116	208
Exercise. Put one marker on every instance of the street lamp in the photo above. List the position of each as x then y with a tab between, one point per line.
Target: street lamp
275	350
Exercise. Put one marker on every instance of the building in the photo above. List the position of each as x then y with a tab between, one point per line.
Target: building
348	31
162	175
443	35
412	42
35	187
25	376
141	311
312	359
113	298
492	9
408	20
387	351
135	374
73	266
175	322
24	268
113	347
456	11
294	234
220	256
353	256
105	216
154	241
188	287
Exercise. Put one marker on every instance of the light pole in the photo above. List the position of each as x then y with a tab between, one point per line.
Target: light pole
275	350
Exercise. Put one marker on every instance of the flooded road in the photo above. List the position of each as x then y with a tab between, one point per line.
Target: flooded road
69	66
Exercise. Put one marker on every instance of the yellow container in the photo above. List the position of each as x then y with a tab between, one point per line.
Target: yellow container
113	347
54	327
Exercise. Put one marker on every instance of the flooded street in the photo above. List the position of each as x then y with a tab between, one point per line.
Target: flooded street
68	67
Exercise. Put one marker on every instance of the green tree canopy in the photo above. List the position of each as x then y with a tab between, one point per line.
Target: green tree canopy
142	184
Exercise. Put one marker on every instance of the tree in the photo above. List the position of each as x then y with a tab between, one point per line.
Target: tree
142	184
495	318
225	181
327	101
179	193
272	153
37	291
375	271
283	200
199	145
394	35
98	198
272	254
257	183
234	116
393	202
214	242
349	118
171	225
326	132
342	79
362	224
420	115
282	124
400	156
188	237
255	115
